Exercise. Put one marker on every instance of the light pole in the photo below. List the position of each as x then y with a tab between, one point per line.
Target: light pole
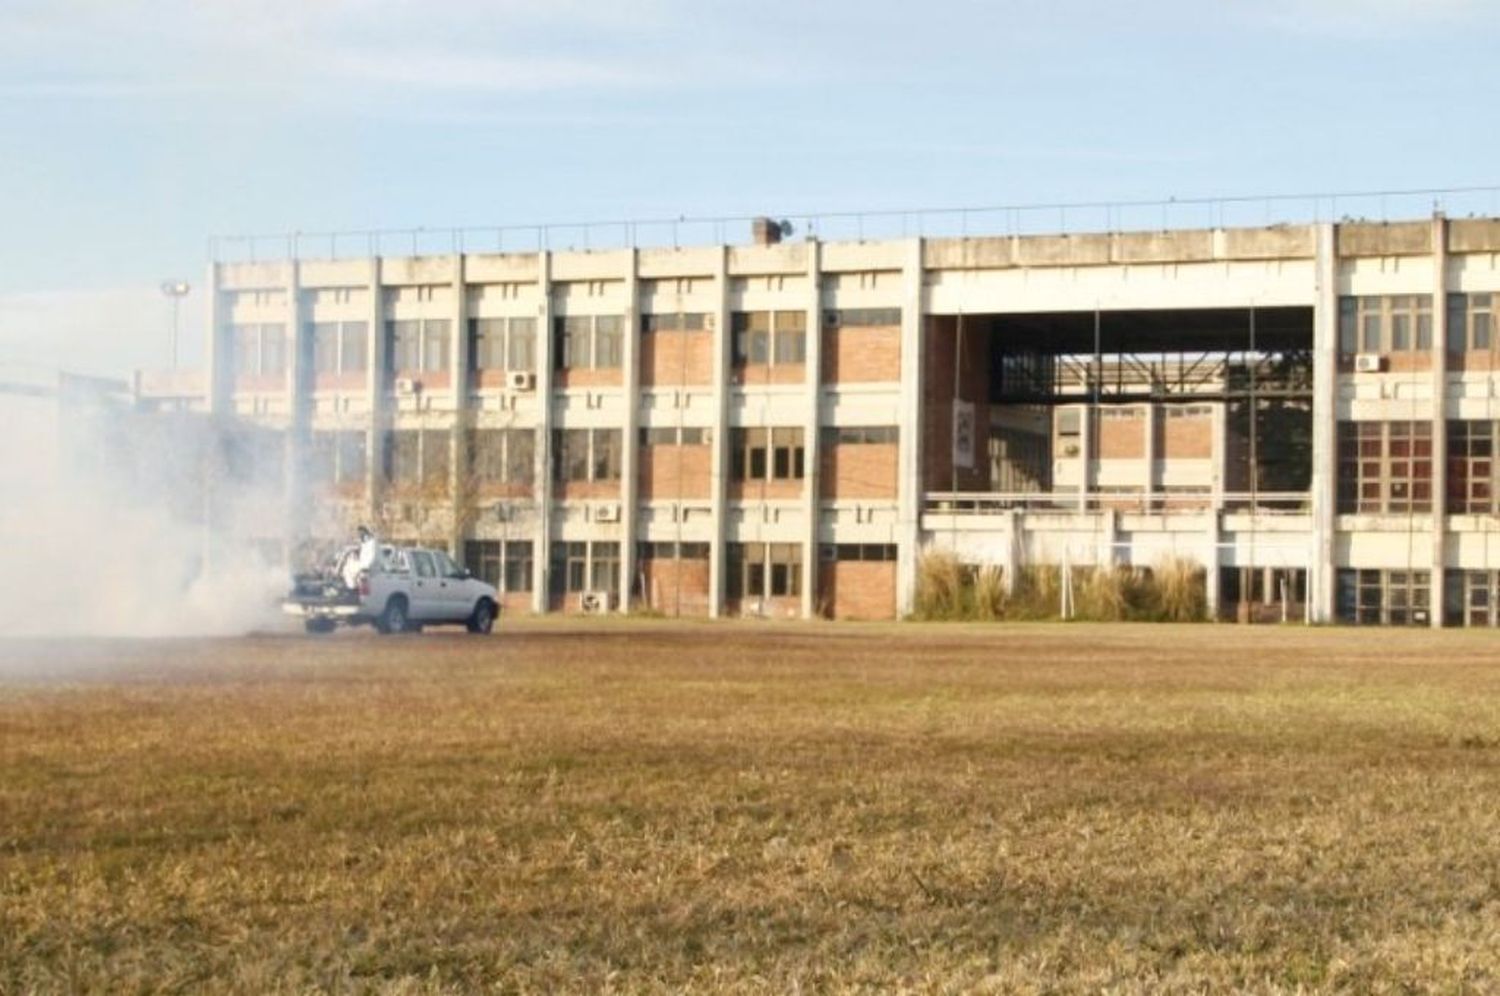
175	290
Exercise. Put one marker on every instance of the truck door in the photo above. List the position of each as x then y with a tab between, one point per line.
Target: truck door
426	604
457	593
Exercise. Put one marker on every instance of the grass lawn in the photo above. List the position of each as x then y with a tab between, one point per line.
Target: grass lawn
754	808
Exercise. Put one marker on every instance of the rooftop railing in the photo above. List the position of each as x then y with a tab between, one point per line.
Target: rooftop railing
1081	217
969	503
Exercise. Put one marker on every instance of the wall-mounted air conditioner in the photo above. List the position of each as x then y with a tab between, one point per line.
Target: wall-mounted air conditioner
1369	363
609	512
595	602
520	380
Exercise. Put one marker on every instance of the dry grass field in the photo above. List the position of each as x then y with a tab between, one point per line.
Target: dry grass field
626	807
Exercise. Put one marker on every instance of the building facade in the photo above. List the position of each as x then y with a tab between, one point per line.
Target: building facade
784	428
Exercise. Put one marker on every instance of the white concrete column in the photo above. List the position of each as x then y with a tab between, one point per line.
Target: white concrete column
1148	473
812	484
630	443
298	382
541	549
375	388
719	471
1439	415
1086	427
220	351
1324	496
909	417
1211	558
458	401
1010	566
1219	425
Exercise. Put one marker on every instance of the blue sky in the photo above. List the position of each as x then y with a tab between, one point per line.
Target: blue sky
130	132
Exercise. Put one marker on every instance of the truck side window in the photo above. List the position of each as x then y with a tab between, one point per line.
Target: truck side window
423	563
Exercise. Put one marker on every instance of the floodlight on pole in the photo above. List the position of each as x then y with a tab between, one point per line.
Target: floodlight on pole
175	290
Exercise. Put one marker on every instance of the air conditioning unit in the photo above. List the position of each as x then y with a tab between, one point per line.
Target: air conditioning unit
1369	363
408	385
607	513
595	602
520	380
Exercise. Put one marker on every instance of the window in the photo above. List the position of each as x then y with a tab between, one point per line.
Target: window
259	350
853	435
786	454
483	559
875	552
520	456
1471	449
435	457
351	457
325	345
518	570
672	551
748	454
572	454
1385	467
416	457
1471	598
272	349
579	567
1385	324
584	342
506	565
786	569
336	458
763	570
417	345
751	332
520	346
604	566
403	456
1470	322
791	336
862	317
588	454
445	565
487	455
1390	597
684	436
435	345
501	456
607	457
339	347
685	322
405	344
487	343
569	567
608	341
421	562
767	454
354	347
321	459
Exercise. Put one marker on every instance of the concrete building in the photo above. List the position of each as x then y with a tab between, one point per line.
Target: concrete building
783	428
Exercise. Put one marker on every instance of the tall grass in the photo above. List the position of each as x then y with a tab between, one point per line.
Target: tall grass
1173	590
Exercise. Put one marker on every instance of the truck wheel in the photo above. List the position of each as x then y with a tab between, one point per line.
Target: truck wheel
393	619
482	620
318	625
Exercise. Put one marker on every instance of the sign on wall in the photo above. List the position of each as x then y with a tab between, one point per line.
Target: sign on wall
963	434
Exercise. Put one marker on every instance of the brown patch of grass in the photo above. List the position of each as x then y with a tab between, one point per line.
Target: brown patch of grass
742	808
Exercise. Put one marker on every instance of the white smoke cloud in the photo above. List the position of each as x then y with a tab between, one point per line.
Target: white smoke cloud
101	520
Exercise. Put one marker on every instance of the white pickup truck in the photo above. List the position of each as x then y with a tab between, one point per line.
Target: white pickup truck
402	590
